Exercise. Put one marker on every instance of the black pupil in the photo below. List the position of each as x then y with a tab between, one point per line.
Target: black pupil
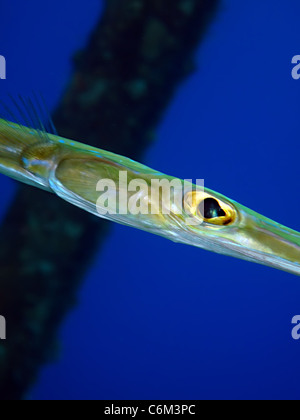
212	209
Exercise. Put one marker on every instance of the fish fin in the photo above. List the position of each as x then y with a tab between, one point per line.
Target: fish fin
32	127
30	112
25	121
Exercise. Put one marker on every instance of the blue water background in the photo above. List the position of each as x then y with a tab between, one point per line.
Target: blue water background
156	320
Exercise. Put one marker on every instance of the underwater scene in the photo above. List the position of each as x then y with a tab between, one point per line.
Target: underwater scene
149	175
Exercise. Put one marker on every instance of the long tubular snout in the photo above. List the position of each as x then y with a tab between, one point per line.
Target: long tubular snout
268	242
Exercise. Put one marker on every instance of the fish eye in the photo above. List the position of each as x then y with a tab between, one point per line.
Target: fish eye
211	210
215	212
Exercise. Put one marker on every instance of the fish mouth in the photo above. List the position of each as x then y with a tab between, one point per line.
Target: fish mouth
264	241
251	237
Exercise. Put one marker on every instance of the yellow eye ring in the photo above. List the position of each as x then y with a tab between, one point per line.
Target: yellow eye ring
210	209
